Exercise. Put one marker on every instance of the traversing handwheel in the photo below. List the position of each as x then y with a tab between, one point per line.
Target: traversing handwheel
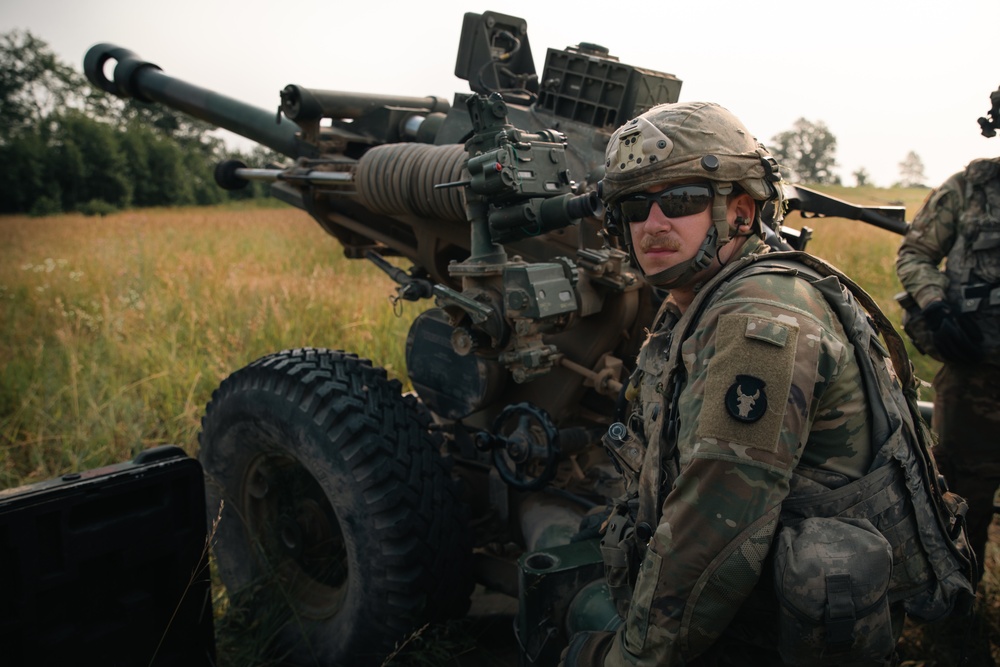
525	444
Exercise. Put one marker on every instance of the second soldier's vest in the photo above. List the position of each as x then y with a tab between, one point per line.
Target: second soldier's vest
973	263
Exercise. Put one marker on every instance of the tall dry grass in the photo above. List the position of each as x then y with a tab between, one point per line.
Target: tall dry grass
868	255
114	331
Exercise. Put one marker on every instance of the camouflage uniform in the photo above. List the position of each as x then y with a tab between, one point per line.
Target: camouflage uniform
960	223
782	393
778	483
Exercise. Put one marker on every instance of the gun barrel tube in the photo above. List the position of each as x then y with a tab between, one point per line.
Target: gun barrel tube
812	202
271	175
134	77
300	103
884	222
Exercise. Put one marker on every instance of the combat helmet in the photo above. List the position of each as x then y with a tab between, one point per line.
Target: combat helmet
688	140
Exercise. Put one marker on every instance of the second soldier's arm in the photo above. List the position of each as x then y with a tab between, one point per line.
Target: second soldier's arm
928	241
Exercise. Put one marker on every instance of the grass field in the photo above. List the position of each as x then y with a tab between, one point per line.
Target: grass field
114	331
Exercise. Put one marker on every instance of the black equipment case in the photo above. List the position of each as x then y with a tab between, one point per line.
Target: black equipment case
108	567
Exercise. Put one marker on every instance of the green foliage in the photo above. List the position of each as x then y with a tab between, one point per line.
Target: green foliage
45	206
33	83
61	141
807	151
97	207
24	163
198	171
94	165
190	133
156	164
861	177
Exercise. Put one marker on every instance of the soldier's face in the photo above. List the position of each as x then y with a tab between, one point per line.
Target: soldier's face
674	227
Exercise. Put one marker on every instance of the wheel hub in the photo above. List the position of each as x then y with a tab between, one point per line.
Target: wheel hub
298	534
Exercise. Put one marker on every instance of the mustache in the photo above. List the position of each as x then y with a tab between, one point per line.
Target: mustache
659	242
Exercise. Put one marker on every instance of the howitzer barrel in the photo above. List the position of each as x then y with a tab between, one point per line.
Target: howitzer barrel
300	103
812	203
134	77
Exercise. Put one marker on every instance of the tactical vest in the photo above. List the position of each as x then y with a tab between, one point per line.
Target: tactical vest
902	495
973	263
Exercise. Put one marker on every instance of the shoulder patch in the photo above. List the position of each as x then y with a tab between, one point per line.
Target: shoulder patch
748	381
746	399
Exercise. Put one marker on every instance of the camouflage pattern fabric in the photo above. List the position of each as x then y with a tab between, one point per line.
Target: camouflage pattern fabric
960	223
832	580
967	419
771	386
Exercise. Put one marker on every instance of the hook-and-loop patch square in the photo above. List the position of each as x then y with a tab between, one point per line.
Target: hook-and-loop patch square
748	381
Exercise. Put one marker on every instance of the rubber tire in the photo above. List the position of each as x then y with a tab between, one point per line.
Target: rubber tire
313	442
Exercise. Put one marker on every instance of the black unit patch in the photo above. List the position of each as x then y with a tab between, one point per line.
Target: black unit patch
746	400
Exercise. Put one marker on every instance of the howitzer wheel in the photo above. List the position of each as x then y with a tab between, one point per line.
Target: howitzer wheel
339	515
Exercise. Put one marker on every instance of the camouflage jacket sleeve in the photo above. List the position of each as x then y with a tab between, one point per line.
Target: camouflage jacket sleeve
769	369
928	241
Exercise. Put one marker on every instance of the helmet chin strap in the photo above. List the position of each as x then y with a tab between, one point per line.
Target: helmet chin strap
720	207
719	234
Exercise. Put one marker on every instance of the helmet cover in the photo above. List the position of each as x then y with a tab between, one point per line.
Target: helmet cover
698	140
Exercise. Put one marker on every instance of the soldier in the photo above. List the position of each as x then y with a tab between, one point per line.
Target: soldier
754	418
959	324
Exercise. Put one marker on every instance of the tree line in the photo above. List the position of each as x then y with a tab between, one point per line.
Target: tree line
65	146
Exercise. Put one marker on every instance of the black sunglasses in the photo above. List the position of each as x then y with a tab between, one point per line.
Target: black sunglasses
677	201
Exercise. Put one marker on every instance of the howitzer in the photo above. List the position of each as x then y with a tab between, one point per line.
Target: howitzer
365	513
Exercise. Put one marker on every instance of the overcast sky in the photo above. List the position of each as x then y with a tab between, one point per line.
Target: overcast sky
886	76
